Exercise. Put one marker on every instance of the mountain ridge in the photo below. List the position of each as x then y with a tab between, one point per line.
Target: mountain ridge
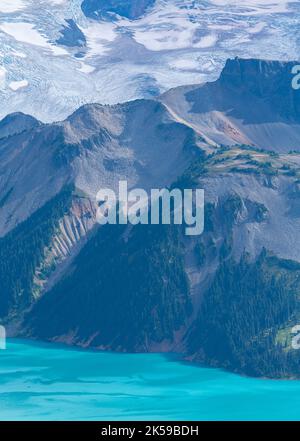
49	176
252	102
95	146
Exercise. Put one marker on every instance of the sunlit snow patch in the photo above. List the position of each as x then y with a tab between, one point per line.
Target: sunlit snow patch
8	6
16	85
26	33
86	68
19	54
2	76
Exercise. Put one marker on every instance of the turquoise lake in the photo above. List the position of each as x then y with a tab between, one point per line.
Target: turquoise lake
51	382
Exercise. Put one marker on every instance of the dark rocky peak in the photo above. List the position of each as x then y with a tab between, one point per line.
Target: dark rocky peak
16	123
103	9
269	80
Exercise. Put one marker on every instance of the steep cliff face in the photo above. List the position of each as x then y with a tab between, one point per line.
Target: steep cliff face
23	251
136	297
33	254
132	9
270	81
253	103
66	240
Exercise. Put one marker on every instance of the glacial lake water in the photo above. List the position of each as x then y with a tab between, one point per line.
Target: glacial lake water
53	382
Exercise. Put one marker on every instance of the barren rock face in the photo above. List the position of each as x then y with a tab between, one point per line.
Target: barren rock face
253	102
98	9
95	147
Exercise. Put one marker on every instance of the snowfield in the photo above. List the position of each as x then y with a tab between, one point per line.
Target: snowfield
177	42
8	6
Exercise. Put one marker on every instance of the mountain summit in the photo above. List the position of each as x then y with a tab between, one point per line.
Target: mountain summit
252	103
16	123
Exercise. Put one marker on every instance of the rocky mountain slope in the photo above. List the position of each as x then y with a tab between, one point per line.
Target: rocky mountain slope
96	146
252	103
229	297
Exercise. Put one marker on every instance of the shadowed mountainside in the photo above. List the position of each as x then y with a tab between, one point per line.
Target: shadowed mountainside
132	9
252	102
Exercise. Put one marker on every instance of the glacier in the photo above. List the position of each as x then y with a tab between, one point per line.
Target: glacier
54	59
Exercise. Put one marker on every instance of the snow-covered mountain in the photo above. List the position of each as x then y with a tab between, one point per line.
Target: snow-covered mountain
57	55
